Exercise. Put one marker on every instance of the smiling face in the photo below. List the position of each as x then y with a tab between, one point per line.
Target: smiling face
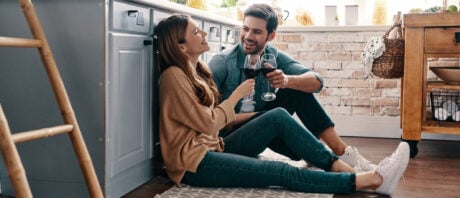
195	42
254	35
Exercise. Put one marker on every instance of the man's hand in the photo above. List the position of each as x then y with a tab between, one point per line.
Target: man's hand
278	79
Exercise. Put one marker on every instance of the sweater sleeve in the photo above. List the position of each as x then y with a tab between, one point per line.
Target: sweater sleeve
180	103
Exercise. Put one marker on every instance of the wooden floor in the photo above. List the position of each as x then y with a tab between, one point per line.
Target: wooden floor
434	172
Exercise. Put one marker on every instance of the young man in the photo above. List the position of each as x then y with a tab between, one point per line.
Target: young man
296	84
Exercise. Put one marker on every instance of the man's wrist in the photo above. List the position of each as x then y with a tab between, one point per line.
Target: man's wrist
320	79
285	82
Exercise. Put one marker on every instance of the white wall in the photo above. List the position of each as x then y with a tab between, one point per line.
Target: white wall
384	127
316	8
379	127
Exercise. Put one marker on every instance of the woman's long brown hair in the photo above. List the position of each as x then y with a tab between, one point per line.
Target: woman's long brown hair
170	32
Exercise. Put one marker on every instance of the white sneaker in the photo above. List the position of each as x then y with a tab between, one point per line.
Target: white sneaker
392	168
356	160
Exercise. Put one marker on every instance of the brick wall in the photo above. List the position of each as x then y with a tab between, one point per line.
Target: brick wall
336	56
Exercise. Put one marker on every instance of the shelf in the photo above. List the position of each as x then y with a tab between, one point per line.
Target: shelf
426	37
434	126
430	85
442	127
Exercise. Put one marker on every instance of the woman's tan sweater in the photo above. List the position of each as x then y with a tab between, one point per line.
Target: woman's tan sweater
188	129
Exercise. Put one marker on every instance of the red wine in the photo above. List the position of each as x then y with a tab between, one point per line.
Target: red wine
250	73
267	70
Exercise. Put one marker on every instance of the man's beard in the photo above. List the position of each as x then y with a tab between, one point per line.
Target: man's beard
254	50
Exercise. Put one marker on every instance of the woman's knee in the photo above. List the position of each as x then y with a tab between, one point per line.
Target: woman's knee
278	114
279	111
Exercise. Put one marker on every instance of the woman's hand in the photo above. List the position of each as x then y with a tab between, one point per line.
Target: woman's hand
242	90
245	88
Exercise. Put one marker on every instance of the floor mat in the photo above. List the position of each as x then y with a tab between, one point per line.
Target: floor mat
188	191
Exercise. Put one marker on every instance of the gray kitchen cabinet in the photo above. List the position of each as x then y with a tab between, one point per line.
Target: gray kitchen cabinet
129	99
229	36
160	14
103	50
214	35
129	113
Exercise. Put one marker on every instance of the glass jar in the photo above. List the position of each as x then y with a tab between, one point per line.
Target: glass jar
198	4
241	5
179	1
380	12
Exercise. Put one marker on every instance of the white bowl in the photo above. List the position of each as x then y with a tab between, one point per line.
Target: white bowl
449	74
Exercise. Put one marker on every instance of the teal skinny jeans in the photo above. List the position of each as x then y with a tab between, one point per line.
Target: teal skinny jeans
238	165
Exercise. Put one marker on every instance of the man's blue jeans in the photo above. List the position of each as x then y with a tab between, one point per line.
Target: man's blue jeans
305	106
239	167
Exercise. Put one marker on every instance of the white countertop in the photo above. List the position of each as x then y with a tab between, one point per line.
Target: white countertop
174	7
340	28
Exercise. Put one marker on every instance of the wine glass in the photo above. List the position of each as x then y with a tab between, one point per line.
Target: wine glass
268	64
251	70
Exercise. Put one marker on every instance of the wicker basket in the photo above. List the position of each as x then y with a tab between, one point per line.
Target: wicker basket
445	105
391	63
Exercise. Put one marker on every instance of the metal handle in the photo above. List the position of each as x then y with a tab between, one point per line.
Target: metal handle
132	13
287	14
148	42
212	29
214	33
138	15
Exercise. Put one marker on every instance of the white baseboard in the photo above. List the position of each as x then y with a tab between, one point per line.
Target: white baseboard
381	127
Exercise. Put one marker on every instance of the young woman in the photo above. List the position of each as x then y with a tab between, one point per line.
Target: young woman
191	118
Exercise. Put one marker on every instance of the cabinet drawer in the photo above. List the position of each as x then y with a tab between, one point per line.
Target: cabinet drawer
159	15
132	18
213	30
228	35
442	40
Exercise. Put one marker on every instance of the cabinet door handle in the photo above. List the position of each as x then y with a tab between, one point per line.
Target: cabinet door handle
148	42
138	15
132	13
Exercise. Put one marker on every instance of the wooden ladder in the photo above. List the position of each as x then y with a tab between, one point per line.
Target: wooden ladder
8	141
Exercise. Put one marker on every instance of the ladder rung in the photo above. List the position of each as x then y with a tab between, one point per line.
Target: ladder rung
20	42
41	133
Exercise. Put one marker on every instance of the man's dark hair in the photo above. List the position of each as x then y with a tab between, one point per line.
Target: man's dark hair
263	11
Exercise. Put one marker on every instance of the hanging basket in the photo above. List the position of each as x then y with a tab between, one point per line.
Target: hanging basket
391	63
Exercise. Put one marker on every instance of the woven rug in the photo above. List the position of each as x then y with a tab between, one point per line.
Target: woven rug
188	191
